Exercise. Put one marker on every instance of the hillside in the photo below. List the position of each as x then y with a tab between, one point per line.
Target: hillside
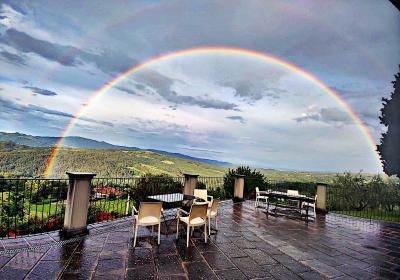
86	143
30	161
297	176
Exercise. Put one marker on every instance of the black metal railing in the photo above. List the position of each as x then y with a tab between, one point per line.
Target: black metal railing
307	188
214	186
366	202
29	206
113	198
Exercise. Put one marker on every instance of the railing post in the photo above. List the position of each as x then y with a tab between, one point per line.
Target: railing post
190	183
321	197
76	209
238	188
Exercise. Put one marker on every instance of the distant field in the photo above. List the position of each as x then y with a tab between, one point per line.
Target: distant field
297	176
105	163
30	162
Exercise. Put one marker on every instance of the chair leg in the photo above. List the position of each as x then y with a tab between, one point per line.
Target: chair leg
159	233
192	230
209	225
205	232
177	228
136	230
187	236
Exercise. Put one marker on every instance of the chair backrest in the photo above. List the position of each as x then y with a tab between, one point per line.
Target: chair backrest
150	209
315	199
215	205
257	190
198	211
200	193
292	192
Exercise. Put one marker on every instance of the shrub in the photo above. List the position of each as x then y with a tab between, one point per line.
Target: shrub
252	179
357	192
148	185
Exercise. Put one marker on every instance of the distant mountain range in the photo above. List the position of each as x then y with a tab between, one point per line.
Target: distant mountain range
86	143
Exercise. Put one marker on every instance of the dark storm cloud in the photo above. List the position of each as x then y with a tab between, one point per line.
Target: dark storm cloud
251	90
64	114
107	61
197	149
162	85
65	55
12	58
8	108
356	92
326	115
173	97
237	118
42	91
127	90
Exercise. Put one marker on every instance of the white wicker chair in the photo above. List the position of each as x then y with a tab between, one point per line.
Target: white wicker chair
149	214
310	205
196	218
260	196
202	194
212	212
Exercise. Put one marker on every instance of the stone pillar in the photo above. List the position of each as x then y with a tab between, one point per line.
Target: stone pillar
238	188
190	183
77	205
321	197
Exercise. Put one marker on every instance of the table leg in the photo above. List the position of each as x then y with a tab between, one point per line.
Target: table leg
307	214
165	224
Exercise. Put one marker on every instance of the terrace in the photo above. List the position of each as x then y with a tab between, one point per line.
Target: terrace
248	245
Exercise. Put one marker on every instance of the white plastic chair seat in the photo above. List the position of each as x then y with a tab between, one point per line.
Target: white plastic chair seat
211	213
193	222
148	220
262	197
308	204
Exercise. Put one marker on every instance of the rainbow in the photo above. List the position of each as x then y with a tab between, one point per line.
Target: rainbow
201	51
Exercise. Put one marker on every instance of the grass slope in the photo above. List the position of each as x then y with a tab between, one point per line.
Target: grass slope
29	161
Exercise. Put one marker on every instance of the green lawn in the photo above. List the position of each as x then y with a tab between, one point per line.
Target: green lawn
47	208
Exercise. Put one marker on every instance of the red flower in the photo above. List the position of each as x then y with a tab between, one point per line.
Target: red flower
104	216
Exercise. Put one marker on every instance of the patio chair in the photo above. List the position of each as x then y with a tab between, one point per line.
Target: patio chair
202	194
311	205
149	214
260	196
196	218
294	193
212	212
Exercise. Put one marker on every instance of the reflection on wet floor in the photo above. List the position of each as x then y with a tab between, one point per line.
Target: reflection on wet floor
247	246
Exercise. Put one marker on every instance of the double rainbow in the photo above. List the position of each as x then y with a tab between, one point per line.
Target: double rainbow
202	51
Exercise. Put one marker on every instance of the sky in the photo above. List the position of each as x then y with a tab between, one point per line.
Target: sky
54	55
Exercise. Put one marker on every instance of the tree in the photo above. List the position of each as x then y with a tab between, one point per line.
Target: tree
389	148
252	179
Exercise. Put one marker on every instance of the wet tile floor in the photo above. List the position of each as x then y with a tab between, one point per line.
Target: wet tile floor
248	245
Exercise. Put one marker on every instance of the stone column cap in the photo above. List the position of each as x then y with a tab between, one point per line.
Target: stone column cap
239	175
80	175
190	175
322	184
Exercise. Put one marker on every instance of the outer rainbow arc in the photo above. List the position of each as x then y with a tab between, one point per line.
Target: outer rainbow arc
205	50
